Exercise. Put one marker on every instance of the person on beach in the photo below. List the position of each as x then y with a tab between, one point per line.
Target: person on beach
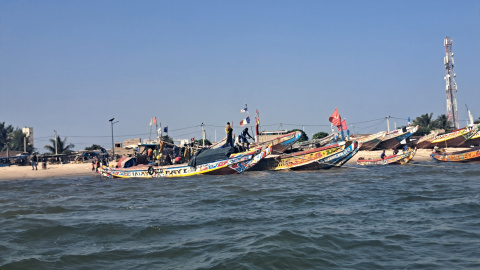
34	161
44	163
97	164
383	156
93	165
229	130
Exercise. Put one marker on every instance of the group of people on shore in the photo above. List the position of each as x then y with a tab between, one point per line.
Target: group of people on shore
34	161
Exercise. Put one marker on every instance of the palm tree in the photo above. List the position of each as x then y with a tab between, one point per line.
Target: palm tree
443	123
4	133
425	120
62	146
15	141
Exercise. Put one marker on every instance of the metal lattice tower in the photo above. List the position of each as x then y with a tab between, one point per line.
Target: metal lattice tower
451	86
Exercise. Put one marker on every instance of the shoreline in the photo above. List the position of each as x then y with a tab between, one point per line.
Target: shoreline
85	169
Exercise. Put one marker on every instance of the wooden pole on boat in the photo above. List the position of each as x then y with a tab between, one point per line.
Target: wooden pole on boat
203	135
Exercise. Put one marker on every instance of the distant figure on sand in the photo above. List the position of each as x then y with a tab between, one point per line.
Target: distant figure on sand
44	163
93	165
382	156
34	162
229	130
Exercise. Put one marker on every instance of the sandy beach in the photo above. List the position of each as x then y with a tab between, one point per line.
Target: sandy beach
85	169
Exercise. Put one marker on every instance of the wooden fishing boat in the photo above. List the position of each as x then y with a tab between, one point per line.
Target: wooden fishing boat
303	160
457	137
314	143
394	138
369	142
473	141
427	140
340	158
234	164
403	158
279	144
282	142
472	154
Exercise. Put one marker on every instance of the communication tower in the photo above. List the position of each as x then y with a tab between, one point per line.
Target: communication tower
451	86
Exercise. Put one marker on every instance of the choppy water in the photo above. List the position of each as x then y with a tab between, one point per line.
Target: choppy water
391	217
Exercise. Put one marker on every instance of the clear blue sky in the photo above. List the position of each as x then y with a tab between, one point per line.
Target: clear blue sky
70	66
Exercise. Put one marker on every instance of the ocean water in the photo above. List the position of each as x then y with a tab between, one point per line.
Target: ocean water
419	216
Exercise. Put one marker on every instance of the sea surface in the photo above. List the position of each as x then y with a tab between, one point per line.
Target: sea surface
418	216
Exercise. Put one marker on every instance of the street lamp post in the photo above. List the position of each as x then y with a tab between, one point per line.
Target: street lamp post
113	145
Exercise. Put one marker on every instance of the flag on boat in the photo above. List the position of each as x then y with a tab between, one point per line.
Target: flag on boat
154	120
192	139
165	129
244	110
335	118
245	121
344	125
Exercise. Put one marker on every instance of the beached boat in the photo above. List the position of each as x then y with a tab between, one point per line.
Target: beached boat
315	143
340	158
457	137
393	159
234	164
472	154
369	142
279	143
473	141
394	138
427	140
302	160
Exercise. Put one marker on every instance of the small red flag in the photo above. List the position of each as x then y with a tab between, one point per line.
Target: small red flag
335	118
344	125
155	120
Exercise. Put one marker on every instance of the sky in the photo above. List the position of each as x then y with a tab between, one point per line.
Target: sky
70	66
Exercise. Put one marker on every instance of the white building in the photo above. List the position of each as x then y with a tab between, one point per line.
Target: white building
28	131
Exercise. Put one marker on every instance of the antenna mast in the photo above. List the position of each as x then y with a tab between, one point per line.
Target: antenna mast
451	86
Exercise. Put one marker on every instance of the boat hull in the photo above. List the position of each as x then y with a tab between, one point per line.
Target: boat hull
234	165
303	160
393	140
460	156
370	142
394	159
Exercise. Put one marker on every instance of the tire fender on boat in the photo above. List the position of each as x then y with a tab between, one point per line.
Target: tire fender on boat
150	170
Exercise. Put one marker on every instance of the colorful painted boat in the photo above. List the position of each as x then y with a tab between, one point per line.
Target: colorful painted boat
279	144
403	158
393	139
472	154
427	140
303	160
474	141
314	143
236	163
457	137
369	142
283	142
340	158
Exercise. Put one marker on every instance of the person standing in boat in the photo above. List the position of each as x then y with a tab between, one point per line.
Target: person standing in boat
244	140
383	156
229	131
